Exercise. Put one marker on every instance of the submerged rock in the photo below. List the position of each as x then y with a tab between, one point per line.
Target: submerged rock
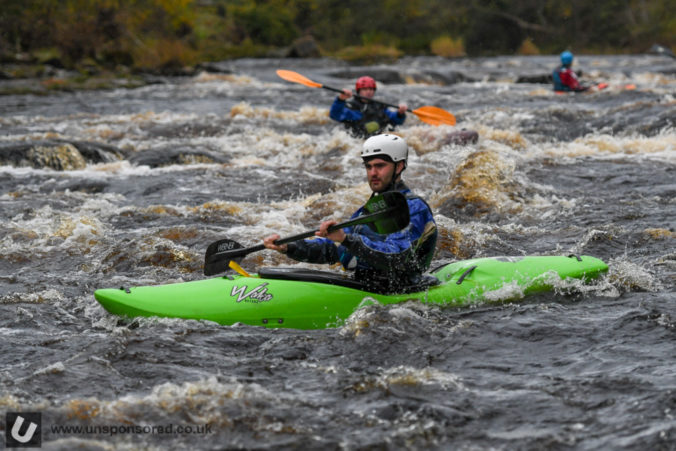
60	155
166	156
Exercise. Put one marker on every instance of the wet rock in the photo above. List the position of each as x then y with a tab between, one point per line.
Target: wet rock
214	68
483	186
460	137
39	155
280	189
61	155
185	130
166	156
305	47
436	78
158	74
537	78
381	74
453	77
460	209
95	152
657	49
392	76
84	186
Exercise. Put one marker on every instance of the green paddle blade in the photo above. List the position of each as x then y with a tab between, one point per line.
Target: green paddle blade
397	219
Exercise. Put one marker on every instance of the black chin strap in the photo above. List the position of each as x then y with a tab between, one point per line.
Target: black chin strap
395	177
393	183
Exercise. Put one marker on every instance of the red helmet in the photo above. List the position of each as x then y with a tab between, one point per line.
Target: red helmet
365	82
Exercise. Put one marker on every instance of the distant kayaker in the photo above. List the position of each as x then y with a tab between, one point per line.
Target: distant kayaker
565	79
362	116
387	263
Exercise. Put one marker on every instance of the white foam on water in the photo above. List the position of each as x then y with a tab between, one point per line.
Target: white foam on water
661	147
53	368
200	402
508	291
49	295
406	375
630	275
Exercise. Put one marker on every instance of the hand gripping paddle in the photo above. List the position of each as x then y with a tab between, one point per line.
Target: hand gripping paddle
387	213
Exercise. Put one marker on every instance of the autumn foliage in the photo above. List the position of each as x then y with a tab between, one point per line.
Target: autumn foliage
149	34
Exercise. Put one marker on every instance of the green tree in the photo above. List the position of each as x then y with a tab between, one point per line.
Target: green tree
269	22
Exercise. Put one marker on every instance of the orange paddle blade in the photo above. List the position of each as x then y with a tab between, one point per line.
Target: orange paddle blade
434	116
295	77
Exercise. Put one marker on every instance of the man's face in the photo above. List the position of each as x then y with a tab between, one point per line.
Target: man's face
367	92
379	173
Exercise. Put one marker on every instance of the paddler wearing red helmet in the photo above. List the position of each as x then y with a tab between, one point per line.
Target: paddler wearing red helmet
362	116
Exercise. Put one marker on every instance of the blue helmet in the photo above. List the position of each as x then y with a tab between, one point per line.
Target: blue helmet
566	58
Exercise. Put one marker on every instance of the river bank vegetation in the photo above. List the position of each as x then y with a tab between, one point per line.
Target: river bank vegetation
171	35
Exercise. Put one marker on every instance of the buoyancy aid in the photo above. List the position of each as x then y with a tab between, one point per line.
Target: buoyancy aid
386	263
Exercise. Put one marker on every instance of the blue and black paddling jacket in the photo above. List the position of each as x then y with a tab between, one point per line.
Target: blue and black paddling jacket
364	119
385	263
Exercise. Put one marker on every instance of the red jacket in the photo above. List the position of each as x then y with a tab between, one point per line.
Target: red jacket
566	80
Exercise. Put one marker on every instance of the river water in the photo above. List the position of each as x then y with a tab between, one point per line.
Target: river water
128	187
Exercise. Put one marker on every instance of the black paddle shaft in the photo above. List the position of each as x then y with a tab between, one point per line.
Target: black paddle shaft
235	253
361	97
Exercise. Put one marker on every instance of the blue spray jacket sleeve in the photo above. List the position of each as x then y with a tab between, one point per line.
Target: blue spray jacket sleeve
341	113
315	250
395	117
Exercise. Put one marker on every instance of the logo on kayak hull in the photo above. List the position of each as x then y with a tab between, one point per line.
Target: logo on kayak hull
254	295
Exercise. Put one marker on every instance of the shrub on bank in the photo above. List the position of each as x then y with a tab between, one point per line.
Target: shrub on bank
447	47
369	54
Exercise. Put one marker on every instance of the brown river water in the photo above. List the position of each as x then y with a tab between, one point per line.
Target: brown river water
129	186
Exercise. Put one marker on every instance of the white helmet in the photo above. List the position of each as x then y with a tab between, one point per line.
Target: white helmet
392	146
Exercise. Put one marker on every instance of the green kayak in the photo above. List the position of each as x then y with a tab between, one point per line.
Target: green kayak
310	299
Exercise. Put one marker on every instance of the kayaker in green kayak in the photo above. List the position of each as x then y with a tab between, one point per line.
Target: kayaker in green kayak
386	263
